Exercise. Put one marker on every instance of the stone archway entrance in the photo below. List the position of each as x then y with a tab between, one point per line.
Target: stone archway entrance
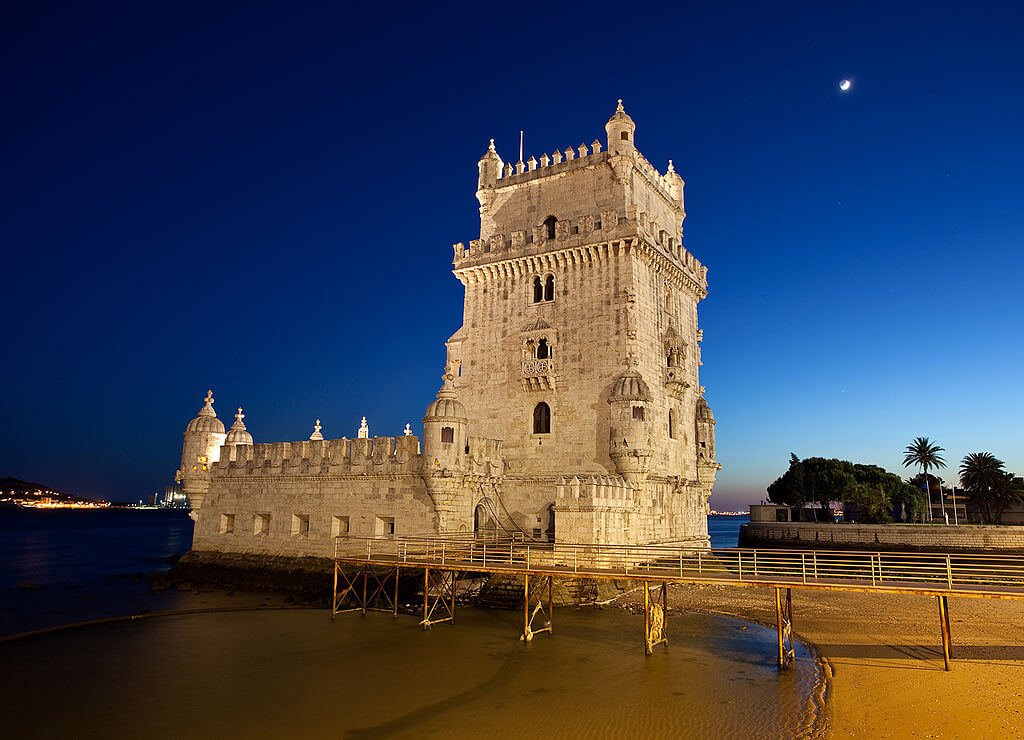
484	524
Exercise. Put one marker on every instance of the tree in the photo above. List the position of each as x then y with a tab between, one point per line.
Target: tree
924	453
990	487
875	494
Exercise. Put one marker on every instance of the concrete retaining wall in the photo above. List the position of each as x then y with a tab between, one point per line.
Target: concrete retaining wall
923	537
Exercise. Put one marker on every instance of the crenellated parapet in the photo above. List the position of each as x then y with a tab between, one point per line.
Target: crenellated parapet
365	456
592	492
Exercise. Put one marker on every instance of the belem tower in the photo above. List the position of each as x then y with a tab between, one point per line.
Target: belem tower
571	406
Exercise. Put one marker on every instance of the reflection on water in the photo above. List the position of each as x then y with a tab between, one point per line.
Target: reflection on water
64	565
296	673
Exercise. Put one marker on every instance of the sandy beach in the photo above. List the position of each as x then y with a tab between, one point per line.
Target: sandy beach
885	658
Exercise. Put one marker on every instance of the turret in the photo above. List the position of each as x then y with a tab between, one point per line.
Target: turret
445	456
630	432
490	169
705	438
204	436
238	434
675	186
620	129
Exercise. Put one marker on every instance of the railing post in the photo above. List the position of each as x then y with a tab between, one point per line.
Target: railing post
485	554
880	578
872	557
442	552
755	563
700	564
739	563
949	573
527	557
803	566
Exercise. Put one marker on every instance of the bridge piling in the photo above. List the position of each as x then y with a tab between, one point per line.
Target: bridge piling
784	627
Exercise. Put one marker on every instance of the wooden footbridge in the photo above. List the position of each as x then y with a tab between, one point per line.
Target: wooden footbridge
367	571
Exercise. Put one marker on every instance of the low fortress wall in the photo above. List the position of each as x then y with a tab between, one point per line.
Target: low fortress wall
924	537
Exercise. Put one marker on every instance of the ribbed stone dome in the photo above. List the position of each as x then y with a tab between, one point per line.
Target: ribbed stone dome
207	420
630	387
238	434
704	411
620	117
447	406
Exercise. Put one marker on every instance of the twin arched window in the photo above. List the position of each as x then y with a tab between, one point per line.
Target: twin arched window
542	418
543	289
447	434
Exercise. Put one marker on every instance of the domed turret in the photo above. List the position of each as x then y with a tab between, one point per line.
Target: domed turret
445	455
705	435
675	184
620	129
629	431
206	420
444	428
204	436
490	166
238	434
630	387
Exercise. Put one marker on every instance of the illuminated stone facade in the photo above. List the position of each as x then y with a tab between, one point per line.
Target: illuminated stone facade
571	405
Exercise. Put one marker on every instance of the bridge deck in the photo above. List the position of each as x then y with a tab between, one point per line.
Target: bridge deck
444	558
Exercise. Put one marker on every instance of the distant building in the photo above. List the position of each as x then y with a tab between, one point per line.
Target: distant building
570	408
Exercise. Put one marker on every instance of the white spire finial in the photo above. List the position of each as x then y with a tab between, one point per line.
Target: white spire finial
670	167
364	429
408	430
490	147
316	435
239	415
207	409
620	109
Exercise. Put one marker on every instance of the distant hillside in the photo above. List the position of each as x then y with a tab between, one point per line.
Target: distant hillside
15	491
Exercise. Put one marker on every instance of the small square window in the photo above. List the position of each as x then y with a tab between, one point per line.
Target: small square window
261	524
339	526
227	523
385	526
638	413
597	225
300	525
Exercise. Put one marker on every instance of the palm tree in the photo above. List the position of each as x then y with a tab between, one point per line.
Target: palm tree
982	474
925	453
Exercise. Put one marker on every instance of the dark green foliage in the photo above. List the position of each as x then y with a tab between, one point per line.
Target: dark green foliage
877	495
990	487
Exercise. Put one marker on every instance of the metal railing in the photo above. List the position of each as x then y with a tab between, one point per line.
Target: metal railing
931	572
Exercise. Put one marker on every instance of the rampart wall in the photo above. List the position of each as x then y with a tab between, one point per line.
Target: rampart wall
963	538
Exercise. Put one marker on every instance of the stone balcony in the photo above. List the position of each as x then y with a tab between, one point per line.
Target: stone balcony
538	375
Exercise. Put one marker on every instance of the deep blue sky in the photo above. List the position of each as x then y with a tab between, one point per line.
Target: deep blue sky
262	198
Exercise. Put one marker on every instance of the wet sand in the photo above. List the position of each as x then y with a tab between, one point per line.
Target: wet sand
885	656
294	673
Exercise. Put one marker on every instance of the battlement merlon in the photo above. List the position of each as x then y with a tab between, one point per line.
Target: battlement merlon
337	455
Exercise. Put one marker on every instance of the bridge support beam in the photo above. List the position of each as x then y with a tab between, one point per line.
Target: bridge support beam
529	615
655	618
784	626
439	588
363	588
947	640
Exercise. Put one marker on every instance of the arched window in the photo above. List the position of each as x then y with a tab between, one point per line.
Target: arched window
447	434
543	350
549	227
538	290
549	288
542	419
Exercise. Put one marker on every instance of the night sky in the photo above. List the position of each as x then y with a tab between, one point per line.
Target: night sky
262	199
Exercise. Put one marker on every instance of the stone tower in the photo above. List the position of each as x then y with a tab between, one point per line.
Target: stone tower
201	448
579	346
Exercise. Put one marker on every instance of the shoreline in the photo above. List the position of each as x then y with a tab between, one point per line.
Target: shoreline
882	660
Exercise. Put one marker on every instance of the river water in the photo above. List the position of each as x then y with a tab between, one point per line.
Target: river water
274	673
